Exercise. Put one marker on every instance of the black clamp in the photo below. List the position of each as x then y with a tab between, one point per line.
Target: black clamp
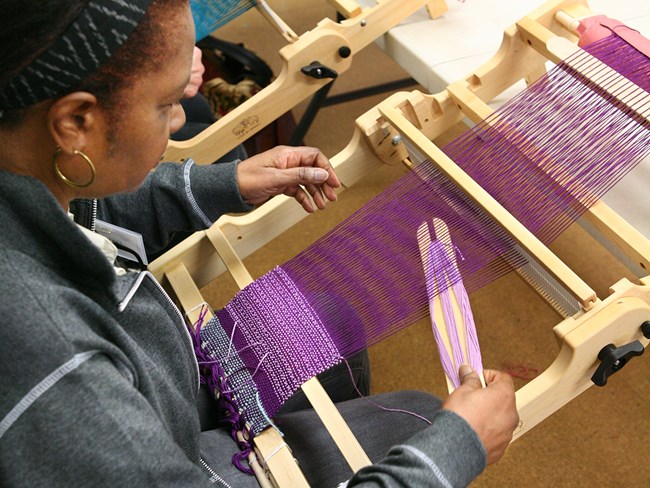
613	358
318	71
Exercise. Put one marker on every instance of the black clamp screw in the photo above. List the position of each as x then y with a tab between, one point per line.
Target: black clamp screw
318	71
613	358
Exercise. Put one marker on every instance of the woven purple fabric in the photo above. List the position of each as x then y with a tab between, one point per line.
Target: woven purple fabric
274	331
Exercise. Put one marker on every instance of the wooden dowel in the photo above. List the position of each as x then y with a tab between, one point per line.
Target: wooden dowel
277	22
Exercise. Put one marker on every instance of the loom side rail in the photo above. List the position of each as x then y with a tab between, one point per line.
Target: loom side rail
247	233
616	320
323	44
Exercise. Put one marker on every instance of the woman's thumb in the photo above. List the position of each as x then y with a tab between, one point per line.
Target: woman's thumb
469	377
307	175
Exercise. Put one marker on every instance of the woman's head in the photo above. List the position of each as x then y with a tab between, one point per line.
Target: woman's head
69	45
144	50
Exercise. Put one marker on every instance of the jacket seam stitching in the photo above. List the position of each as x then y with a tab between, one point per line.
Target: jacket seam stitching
42	387
190	196
432	465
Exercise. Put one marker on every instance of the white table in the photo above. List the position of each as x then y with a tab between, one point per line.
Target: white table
437	52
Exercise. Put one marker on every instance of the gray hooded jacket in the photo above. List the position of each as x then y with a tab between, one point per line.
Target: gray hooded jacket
97	371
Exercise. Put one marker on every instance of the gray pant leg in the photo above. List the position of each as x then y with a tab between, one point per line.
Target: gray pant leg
319	458
377	430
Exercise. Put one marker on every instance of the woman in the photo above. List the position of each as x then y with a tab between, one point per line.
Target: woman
99	380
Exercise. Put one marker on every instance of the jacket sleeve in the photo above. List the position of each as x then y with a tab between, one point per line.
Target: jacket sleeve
446	454
91	427
176	198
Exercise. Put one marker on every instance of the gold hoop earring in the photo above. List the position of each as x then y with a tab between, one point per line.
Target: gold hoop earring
64	178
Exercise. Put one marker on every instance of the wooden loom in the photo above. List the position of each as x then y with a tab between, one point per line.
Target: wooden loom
620	320
310	62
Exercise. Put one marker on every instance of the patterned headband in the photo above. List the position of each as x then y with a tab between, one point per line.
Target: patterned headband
101	28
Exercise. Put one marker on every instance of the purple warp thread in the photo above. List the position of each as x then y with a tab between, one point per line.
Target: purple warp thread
442	269
624	58
378	287
554	150
439	269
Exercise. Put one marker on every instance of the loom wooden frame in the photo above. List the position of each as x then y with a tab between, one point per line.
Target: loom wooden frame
420	118
291	86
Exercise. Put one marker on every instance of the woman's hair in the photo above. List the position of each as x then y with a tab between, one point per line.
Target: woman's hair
26	31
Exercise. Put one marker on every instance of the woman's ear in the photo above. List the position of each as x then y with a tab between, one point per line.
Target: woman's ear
72	119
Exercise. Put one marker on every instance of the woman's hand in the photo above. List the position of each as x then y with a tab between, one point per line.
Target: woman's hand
303	173
490	411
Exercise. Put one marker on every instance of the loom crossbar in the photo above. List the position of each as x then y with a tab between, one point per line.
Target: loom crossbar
291	86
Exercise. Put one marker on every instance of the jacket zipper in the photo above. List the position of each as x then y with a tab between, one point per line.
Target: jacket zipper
124	303
186	332
214	477
93	215
93	222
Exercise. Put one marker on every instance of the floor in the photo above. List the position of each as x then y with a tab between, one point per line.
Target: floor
599	439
